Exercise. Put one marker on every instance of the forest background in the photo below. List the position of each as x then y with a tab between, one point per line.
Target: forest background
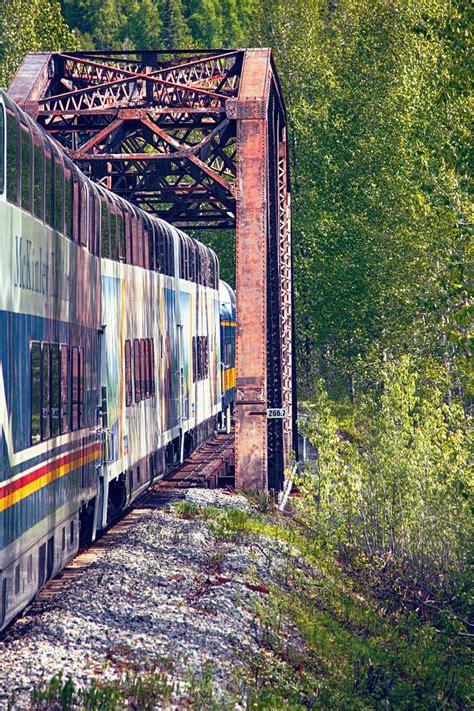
378	94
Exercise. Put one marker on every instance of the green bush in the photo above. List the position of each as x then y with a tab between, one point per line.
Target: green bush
395	492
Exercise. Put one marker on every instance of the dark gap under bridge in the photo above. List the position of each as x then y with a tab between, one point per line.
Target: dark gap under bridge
198	137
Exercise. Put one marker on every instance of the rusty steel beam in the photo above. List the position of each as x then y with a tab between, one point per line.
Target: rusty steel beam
251	256
200	138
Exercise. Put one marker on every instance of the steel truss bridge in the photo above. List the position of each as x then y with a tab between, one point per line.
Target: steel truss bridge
200	139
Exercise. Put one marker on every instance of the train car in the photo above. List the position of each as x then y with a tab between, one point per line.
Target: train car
227	314
111	370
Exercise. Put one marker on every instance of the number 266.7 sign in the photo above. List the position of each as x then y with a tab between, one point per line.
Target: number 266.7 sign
276	412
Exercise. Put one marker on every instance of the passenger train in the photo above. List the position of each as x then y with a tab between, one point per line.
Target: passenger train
117	348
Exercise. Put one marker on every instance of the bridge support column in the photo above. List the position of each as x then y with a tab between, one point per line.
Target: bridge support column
251	273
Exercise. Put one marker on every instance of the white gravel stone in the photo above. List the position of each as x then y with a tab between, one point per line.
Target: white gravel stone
218	498
166	590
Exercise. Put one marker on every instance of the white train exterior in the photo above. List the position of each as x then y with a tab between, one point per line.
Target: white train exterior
111	369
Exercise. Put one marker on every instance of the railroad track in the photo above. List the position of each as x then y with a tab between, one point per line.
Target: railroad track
211	466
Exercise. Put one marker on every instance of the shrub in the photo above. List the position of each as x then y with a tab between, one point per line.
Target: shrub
396	494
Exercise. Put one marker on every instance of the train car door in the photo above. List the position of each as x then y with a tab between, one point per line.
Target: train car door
3	602
42	565
179	342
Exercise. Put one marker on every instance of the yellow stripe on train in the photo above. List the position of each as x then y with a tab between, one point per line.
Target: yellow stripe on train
228	323
228	379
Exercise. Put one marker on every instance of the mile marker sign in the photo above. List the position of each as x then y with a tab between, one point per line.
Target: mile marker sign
276	412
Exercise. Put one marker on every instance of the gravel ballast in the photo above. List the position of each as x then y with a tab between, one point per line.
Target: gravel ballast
167	591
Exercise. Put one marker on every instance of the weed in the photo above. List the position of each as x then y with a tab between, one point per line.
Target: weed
138	690
186	510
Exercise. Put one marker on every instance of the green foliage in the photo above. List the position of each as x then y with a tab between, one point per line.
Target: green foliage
396	491
175	30
378	95
29	26
135	24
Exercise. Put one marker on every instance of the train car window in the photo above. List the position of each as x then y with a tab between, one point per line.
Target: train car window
92	220
55	393
147	240
136	370
74	388
154	254
198	263
135	250
146	350
181	256
105	218
152	365
45	391
192	260
167	250
35	357
2	149
200	358
140	242
58	194
128	239
229	360
171	266
48	184
67	201
38	176
97	236
121	236
205	357
128	373
26	162
160	249
12	157
98	239
207	269
84	214
113	232
156	260
76	206
203	266
194	356
82	421
64	388
211	270
143	369
202	261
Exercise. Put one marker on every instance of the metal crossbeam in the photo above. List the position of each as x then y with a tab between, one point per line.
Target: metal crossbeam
200	139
